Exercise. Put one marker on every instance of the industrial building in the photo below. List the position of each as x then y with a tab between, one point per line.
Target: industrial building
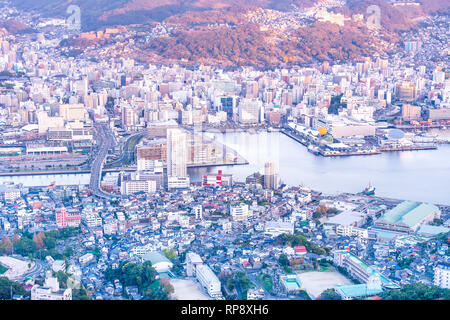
407	217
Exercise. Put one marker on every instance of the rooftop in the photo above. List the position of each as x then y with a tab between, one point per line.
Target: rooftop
358	290
155	257
409	213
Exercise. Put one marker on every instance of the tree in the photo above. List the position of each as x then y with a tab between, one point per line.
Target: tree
6	245
50	242
25	246
7	287
80	294
16	238
170	254
330	294
62	278
283	260
156	291
68	252
417	291
166	287
37	238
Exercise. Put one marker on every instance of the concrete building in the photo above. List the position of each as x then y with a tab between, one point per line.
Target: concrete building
216	180
371	288
407	217
159	129
192	261
50	290
71	112
276	228
177	159
135	186
9	194
271	176
410	112
239	212
250	111
67	219
359	269
442	275
208	280
198	212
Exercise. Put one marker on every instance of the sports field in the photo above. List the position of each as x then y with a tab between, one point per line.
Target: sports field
188	290
316	282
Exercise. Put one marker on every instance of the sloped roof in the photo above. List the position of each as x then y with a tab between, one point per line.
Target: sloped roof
409	213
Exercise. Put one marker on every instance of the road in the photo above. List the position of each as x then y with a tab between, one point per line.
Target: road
105	141
128	150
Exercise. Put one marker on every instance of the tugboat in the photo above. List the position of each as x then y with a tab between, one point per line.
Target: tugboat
369	191
313	149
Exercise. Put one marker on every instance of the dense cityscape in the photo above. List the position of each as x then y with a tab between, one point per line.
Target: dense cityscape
118	182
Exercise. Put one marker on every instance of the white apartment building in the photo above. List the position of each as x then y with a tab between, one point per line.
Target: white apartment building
442	276
349	231
198	211
239	212
154	166
9	194
134	186
250	110
50	290
208	280
192	261
87	258
276	228
92	220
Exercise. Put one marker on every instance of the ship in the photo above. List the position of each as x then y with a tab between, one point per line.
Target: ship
313	149
369	191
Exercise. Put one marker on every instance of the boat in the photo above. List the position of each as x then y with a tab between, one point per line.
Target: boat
369	191
313	149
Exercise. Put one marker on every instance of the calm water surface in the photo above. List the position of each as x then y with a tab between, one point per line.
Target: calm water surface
413	175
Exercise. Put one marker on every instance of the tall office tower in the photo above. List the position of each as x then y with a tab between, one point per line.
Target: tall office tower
249	110
271	176
177	157
251	89
198	142
129	117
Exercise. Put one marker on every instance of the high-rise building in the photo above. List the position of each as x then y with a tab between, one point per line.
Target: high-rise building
271	176
250	110
177	157
410	113
129	117
251	89
442	275
406	91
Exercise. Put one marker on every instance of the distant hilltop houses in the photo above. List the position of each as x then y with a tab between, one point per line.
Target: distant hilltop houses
405	3
96	35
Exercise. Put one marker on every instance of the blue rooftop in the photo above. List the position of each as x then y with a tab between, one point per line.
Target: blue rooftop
358	290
